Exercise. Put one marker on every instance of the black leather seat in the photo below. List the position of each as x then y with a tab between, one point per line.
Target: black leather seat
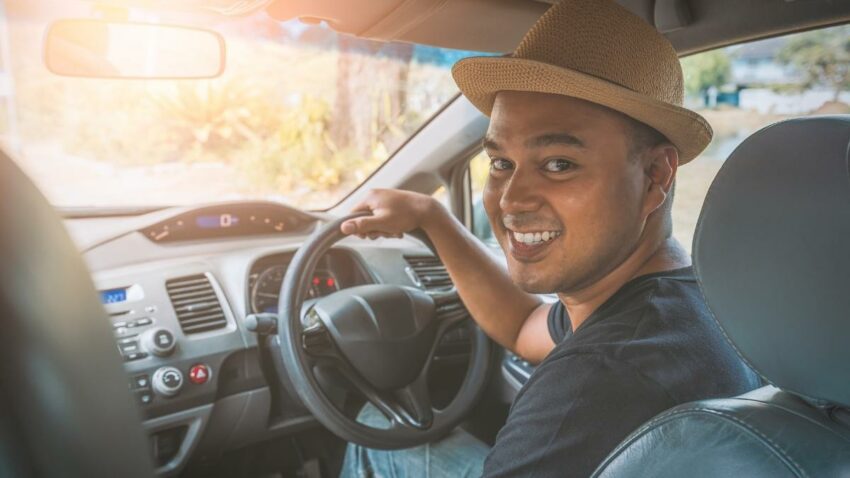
65	407
772	254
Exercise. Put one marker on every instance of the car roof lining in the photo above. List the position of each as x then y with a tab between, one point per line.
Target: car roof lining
496	26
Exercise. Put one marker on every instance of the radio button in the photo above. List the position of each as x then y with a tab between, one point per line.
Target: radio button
159	341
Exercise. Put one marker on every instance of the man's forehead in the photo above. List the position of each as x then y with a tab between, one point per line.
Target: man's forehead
540	119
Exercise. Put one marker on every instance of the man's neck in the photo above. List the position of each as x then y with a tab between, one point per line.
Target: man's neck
667	255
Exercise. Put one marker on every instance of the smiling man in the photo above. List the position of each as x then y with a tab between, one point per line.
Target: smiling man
586	134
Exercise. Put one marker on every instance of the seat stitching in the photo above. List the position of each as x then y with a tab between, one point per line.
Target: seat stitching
797	469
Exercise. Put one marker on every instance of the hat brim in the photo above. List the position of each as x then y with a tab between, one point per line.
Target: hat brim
480	78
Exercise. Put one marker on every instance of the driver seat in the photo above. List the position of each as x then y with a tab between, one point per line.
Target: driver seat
65	404
772	259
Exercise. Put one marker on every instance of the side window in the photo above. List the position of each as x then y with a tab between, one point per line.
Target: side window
479	169
743	88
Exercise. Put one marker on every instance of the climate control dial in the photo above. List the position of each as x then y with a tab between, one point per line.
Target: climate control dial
167	381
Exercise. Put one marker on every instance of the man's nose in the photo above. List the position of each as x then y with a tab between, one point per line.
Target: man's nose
521	193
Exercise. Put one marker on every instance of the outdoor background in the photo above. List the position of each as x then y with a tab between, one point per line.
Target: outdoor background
302	115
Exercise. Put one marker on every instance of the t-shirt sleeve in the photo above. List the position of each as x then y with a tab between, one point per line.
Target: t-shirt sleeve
567	430
559	323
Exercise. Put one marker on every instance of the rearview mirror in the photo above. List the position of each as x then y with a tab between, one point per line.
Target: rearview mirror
102	49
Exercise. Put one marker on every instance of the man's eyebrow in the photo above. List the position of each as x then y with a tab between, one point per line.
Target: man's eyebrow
549	139
488	143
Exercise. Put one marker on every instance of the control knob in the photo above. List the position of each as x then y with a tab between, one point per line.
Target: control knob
159	341
167	381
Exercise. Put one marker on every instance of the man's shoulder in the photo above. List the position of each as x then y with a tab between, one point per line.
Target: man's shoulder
664	331
661	304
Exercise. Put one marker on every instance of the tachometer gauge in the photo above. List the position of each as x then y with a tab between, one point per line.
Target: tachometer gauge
266	293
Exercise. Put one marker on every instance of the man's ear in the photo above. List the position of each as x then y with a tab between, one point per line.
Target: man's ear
660	165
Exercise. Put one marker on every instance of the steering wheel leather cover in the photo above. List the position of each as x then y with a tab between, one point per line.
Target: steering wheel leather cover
772	257
297	366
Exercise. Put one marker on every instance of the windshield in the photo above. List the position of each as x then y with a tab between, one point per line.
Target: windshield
302	115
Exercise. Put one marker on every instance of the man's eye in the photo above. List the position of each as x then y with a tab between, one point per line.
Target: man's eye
558	165
499	164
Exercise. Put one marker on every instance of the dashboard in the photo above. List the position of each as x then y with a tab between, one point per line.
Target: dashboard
177	304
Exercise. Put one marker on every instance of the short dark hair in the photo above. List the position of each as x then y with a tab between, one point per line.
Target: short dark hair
642	138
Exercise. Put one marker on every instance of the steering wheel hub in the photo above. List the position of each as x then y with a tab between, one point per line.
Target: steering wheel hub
386	332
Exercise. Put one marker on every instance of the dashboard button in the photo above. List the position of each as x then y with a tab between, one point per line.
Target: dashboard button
144	396
159	341
141	381
167	381
199	374
145	321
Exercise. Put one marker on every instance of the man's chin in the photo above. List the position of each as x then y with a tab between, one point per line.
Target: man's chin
534	285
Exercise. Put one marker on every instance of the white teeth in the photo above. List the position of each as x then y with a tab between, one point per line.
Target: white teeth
535	238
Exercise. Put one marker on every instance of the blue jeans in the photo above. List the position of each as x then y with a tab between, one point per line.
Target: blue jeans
457	455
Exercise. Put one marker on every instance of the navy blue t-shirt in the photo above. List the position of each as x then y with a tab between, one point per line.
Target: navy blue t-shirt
651	346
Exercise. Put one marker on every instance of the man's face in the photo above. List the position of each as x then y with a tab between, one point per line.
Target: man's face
564	198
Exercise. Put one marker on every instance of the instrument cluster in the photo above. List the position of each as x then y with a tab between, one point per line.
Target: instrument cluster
338	269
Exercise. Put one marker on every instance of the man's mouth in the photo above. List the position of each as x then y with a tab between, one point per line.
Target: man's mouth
526	245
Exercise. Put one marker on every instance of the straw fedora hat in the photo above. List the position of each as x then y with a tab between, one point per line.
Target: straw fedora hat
600	52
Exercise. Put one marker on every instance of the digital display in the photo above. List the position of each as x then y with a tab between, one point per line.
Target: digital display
113	296
217	221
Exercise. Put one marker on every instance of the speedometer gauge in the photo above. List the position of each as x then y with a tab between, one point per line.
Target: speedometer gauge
264	297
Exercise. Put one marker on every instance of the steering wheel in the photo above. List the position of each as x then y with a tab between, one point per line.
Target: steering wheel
380	338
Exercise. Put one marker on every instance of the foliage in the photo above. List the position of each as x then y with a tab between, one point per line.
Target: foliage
822	57
704	70
269	127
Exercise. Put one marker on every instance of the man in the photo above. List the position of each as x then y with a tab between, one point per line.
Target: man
586	135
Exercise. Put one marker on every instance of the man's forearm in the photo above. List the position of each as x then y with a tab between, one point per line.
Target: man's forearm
498	306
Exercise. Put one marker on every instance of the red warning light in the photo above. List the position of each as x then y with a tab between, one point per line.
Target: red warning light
330	282
316	281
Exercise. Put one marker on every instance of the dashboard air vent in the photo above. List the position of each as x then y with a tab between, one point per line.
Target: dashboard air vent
195	304
430	272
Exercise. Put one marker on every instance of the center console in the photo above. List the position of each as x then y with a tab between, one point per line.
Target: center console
181	350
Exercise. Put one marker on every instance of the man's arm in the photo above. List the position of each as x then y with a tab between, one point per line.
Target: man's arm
512	317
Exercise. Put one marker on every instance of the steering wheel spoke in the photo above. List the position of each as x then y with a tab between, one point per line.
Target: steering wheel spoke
409	406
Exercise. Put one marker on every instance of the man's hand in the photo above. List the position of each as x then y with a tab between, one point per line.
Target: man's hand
394	213
512	317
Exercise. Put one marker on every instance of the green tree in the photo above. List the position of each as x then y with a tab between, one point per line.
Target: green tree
822	56
704	70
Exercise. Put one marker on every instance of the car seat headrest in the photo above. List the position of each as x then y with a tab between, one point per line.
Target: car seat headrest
772	255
